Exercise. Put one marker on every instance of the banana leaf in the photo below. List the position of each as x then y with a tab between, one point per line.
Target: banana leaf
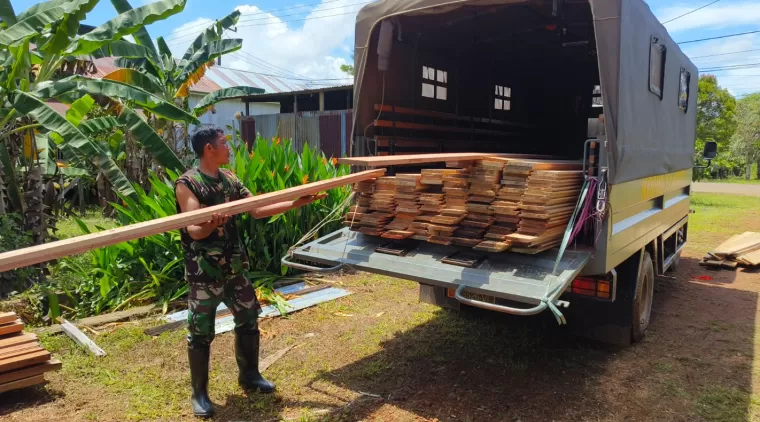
145	134
31	26
20	65
137	79
98	124
126	24
14	193
73	171
207	53
212	33
79	109
126	50
223	94
142	37
63	132
156	69
163	48
6	12
68	5
114	89
47	161
67	29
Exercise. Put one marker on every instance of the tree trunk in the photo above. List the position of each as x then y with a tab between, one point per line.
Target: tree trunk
748	172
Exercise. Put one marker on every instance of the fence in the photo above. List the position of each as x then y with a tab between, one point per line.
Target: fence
328	130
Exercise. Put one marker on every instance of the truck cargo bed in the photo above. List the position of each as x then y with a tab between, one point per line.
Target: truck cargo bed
525	279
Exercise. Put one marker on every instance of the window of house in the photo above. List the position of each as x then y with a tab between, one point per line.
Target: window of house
596	96
656	66
435	83
503	98
683	90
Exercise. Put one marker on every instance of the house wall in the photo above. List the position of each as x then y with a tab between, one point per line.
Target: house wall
225	112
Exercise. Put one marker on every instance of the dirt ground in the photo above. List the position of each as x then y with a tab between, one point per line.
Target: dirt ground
380	355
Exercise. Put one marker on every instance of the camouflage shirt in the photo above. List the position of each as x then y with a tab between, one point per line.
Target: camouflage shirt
220	255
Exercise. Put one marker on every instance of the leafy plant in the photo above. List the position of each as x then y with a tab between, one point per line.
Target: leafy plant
152	269
13	236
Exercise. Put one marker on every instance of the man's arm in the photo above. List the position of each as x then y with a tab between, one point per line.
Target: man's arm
282	207
189	202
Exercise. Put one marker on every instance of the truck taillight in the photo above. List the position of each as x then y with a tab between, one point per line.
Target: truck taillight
591	287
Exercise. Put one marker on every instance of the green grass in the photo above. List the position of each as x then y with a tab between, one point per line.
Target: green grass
724	404
718	216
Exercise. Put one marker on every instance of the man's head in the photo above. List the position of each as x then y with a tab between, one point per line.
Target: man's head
210	144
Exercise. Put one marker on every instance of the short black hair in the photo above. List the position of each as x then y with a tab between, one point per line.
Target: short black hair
204	136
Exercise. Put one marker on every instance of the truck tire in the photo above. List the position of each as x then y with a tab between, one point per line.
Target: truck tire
642	303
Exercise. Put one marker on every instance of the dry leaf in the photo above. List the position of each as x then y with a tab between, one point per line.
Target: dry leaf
341	314
379	314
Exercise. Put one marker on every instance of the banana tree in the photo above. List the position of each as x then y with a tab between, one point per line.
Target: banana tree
160	73
28	80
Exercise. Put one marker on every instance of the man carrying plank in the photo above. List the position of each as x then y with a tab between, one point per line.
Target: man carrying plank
216	266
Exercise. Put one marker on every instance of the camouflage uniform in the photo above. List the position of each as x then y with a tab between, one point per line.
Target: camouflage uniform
216	267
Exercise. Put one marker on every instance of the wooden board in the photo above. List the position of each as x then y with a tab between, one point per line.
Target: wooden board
19	349
10	328
737	245
46	252
23	361
406	159
6	317
750	259
22	383
17	339
47	366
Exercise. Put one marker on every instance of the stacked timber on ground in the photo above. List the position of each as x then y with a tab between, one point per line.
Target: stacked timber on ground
742	249
547	204
23	361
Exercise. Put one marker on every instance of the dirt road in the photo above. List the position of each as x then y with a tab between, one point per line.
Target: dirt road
730	188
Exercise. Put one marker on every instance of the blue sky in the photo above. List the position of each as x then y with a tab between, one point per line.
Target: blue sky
276	34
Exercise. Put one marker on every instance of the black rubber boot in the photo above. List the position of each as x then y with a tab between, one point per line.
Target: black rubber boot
198	355
247	355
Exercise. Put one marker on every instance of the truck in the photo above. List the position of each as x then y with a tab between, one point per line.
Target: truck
599	81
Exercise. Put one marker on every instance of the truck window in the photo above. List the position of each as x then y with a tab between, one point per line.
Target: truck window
683	90
503	98
656	66
596	96
435	87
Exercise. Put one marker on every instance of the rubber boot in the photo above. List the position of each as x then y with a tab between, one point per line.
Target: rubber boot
247	355
198	355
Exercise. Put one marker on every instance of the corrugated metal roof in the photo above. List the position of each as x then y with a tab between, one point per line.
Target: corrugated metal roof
218	77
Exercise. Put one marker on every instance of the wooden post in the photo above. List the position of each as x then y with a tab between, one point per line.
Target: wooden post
321	100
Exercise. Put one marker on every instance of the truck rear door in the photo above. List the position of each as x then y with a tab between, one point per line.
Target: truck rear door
525	280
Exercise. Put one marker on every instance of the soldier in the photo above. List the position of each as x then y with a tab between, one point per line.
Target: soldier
216	266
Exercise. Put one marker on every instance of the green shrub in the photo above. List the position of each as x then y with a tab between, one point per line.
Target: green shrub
151	269
12	237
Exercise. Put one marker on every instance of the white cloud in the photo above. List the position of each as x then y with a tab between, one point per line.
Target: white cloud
717	16
737	81
303	47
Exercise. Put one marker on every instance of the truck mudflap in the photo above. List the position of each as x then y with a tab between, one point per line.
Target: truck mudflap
527	281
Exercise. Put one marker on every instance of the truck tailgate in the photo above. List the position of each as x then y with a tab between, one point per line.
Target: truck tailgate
526	279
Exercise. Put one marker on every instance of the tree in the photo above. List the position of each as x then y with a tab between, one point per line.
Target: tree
348	68
745	144
159	73
716	120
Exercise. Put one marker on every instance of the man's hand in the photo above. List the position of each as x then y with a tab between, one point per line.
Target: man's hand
218	220
306	200
282	207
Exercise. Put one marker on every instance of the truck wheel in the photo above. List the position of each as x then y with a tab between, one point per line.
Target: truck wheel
642	303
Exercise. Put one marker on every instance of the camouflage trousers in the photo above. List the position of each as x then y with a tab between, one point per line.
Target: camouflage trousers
236	292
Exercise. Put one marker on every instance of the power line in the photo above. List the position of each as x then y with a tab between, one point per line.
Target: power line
717	38
277	73
305	19
264	12
729	63
317	80
689	13
726	54
271	64
307	11
736	67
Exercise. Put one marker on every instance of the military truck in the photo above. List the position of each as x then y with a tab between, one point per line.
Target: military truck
599	81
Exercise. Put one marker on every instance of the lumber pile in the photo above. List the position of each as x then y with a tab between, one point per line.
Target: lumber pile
742	249
23	361
546	206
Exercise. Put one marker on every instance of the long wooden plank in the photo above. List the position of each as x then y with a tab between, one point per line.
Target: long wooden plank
47	366
6	317
54	250
19	349
437	128
80	338
22	383
14	327
23	361
442	115
17	339
405	159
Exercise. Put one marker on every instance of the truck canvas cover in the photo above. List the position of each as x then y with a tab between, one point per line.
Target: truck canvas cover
644	140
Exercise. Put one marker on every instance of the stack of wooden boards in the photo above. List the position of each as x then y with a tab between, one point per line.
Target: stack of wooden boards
23	361
742	249
490	204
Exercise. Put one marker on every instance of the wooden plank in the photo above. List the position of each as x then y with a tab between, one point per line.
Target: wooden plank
13	327
80	338
54	250
6	317
750	259
406	159
746	242
23	361
438	128
442	115
47	366
19	349
22	383
17	339
95	321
